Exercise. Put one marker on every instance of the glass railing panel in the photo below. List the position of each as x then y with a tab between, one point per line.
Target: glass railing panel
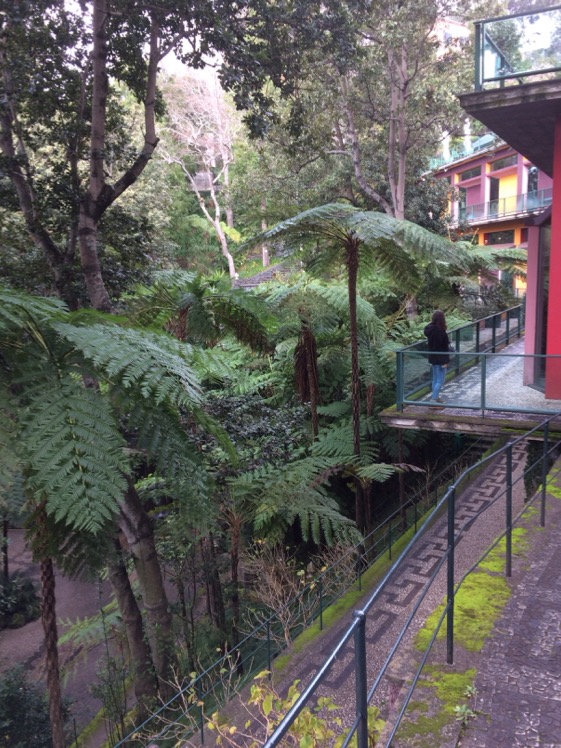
483	382
481	336
520	47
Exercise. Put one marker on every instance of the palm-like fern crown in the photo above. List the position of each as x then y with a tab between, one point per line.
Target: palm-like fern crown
203	308
65	391
385	243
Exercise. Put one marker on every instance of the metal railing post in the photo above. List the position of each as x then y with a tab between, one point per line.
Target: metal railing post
360	680
320	604
450	578
201	712
477	336
478	56
494	334
507	327
483	382
508	455
400	382
544	471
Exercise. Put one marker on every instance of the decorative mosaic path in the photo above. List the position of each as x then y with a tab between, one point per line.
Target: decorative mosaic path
387	617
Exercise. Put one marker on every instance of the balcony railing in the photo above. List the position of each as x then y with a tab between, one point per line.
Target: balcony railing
506	206
511	49
479	377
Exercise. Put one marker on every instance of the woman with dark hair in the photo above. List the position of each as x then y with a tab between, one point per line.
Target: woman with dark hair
439	347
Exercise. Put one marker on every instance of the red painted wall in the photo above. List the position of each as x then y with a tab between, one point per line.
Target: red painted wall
553	370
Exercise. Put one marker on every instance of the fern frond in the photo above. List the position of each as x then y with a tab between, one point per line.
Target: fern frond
75	455
378	472
162	438
18	307
154	365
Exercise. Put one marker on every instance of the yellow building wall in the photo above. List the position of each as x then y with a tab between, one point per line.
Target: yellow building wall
508	186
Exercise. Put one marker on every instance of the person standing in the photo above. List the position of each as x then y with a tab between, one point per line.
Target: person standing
439	347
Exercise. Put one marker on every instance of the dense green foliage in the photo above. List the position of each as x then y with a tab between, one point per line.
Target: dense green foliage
205	419
24	713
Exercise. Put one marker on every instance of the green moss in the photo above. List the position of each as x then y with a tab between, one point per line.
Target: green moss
418	706
422	728
495	560
450	687
554	490
479	603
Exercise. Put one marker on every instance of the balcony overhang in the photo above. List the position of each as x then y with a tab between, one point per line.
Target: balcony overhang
522	115
458	421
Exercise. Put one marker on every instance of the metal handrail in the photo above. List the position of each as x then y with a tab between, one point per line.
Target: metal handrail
526	202
206	685
506	71
357	628
472	342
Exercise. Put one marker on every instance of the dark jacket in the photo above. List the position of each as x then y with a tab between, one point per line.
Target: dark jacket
438	340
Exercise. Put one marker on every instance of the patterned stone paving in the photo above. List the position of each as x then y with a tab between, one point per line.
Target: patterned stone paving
387	616
519	678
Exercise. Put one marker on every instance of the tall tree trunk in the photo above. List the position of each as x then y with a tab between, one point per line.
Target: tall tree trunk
90	205
5	561
236	534
265	246
352	247
310	347
214	585
100	195
48	619
185	618
139	532
144	679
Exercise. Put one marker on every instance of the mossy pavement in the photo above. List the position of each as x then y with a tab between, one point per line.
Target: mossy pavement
504	688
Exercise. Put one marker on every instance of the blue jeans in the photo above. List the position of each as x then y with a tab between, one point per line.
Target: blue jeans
438	377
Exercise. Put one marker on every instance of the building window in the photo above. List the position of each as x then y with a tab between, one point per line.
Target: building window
533	175
470	173
499	237
502	163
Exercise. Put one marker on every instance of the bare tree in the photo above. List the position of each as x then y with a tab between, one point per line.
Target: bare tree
199	137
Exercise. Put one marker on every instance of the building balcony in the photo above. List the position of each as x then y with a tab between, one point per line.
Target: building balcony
518	82
485	391
507	207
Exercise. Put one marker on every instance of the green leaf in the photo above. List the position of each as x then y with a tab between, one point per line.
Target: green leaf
75	455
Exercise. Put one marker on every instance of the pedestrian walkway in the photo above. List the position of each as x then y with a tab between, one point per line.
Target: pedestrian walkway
519	670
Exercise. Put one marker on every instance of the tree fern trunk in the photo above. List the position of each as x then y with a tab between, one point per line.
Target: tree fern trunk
214	585
310	346
144	678
48	618
236	524
352	271
139	532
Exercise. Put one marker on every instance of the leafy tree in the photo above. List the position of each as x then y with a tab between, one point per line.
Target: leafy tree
365	133
69	439
199	137
65	147
350	238
24	713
